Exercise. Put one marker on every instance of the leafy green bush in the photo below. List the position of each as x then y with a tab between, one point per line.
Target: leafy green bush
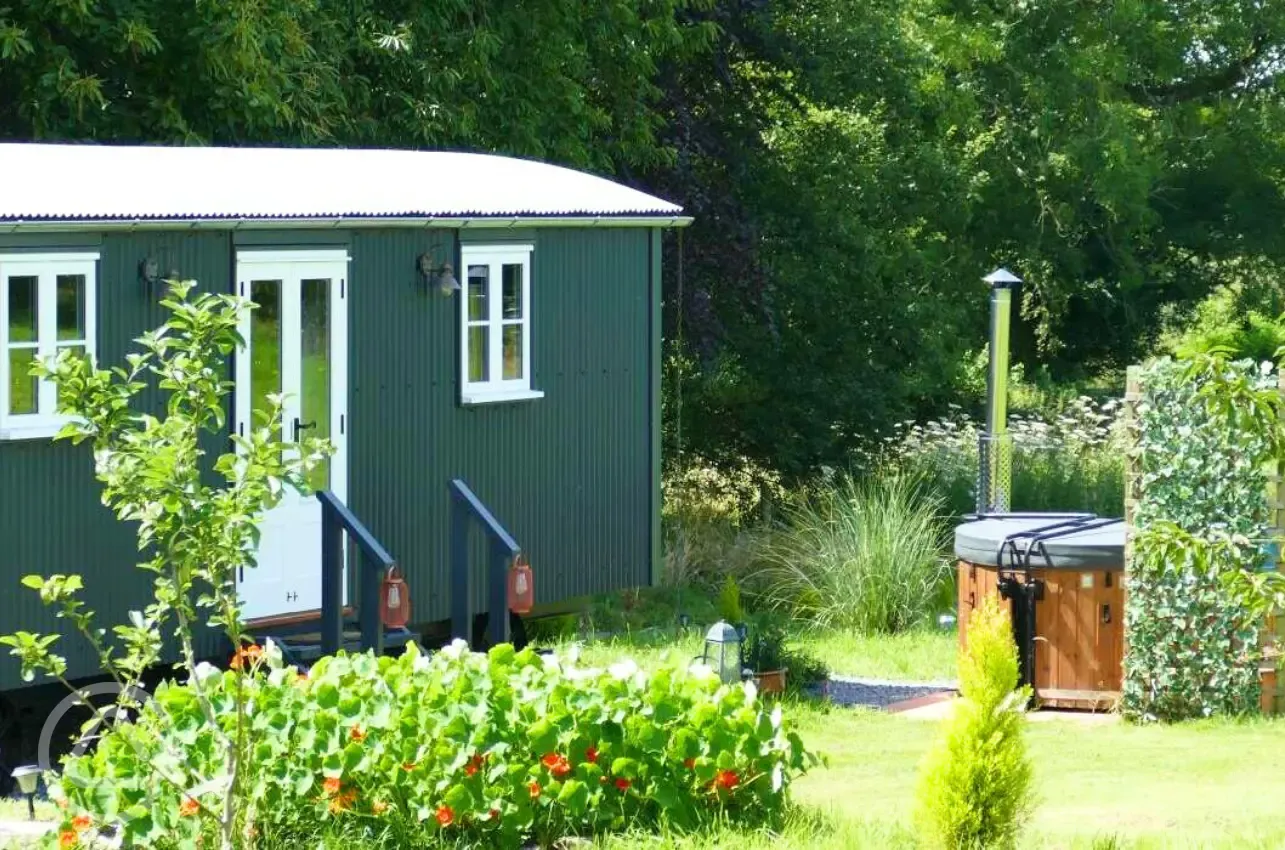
859	553
1244	321
1202	510
455	749
1070	460
975	784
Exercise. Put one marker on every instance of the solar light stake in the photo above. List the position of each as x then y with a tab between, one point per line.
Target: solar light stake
28	778
994	450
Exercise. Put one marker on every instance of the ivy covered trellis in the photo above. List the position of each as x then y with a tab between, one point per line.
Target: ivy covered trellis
1202	507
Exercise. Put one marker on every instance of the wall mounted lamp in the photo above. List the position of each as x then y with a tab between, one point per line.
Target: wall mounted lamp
149	271
443	276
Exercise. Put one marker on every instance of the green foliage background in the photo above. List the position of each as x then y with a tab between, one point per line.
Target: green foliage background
853	166
1191	643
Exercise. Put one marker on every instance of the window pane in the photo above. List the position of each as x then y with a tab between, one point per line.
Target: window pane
477	293
512	291
477	366
22	387
265	346
23	318
315	395
77	350
512	352
71	306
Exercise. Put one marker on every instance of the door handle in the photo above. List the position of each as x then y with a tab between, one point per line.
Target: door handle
300	425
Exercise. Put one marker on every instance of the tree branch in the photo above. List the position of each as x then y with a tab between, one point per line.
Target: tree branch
1201	87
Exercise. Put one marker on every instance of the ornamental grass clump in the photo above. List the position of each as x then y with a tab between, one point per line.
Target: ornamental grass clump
454	749
862	554
975	785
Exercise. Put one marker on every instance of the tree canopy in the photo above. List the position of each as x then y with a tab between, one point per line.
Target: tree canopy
854	166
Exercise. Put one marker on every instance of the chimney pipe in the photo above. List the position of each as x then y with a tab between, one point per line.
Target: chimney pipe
994	450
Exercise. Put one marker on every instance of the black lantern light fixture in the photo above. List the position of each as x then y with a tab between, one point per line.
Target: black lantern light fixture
442	276
724	651
149	271
28	779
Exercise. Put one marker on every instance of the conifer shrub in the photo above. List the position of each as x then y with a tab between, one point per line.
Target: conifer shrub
975	784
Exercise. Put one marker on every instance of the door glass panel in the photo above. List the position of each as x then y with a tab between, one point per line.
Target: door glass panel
22	387
512	276
265	348
71	306
512	352
23	318
477	293
314	395
478	369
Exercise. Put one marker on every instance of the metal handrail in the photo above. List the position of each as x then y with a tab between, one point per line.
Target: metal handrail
336	519
466	506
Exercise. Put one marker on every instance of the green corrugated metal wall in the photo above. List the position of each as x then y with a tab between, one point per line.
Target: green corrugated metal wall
573	475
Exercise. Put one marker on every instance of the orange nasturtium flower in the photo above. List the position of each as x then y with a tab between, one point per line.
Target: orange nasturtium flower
557	764
246	655
534	788
80	823
591	755
727	779
68	839
188	807
331	785
357	733
343	802
445	815
623	784
473	766
408	766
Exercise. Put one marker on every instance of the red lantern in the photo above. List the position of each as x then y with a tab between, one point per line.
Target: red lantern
521	586
394	600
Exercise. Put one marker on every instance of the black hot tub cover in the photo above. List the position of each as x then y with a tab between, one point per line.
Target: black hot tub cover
1076	542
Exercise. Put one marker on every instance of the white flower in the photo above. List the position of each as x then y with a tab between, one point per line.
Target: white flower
623	669
455	648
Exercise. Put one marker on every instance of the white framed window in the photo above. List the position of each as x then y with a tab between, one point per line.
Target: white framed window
47	305
495	324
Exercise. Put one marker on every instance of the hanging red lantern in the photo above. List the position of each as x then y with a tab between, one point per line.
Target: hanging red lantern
521	586
394	600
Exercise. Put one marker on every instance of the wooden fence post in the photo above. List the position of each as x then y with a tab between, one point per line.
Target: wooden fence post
1132	461
1273	633
1132	479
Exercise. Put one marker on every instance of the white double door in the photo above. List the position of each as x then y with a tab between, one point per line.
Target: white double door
296	346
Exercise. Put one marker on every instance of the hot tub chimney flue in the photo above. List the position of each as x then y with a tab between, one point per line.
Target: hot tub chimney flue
994	450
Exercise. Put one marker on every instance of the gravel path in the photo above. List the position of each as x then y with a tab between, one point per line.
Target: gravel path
880	693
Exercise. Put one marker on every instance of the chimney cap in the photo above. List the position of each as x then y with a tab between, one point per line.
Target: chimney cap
1002	278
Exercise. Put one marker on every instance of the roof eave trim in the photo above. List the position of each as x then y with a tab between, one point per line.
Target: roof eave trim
331	222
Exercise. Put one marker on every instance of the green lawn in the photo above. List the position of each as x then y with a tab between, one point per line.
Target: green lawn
916	656
1203	785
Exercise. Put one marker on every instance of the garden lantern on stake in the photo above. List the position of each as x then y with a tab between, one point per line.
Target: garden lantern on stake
723	651
28	778
394	600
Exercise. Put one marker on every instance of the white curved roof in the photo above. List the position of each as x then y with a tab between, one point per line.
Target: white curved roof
80	182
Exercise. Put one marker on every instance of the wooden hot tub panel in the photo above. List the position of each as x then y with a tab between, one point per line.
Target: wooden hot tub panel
1079	631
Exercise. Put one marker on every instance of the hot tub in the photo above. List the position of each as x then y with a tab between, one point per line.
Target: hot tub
1063	576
